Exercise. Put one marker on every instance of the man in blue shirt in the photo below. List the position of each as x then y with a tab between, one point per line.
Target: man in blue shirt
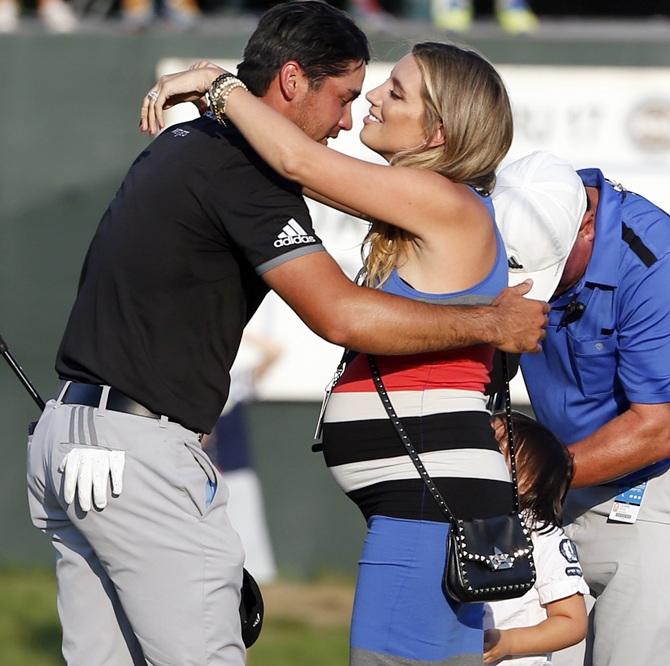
602	385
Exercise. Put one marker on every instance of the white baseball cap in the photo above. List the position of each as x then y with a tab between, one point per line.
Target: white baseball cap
539	203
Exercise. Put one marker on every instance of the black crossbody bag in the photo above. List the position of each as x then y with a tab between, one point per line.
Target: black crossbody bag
488	559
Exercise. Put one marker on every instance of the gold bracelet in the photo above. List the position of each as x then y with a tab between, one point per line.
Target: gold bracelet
219	92
215	91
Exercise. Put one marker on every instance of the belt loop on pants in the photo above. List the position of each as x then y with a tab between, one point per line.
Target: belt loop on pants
61	394
102	405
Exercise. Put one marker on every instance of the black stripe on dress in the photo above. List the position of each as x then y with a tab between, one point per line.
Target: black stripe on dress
410	499
355	441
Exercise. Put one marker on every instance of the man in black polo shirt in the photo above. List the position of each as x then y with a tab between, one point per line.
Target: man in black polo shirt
196	235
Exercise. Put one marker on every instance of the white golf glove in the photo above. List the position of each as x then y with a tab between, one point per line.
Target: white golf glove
87	471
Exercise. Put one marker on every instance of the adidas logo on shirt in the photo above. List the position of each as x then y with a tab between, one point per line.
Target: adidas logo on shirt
292	234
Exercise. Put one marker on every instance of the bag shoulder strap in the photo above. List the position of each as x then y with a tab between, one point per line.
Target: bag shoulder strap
414	456
511	444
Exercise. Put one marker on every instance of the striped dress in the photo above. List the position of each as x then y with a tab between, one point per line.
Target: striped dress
401	614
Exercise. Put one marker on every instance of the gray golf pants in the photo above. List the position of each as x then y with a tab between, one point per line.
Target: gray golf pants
626	567
154	577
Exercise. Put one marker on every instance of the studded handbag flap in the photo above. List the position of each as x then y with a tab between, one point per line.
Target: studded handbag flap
489	559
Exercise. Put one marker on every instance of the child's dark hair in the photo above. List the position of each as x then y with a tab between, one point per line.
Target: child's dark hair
544	469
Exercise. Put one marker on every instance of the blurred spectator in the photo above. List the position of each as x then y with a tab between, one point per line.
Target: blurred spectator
140	14
56	15
370	10
229	447
514	16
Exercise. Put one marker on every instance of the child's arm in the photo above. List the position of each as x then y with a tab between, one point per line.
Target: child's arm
565	626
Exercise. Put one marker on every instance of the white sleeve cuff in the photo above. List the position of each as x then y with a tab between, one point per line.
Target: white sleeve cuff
562	589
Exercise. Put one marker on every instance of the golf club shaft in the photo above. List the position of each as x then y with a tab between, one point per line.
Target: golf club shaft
18	371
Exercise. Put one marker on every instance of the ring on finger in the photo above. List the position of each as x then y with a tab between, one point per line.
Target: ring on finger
152	95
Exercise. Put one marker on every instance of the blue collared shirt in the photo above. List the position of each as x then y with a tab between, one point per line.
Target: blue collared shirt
618	351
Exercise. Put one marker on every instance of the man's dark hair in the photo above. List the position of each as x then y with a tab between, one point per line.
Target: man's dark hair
322	39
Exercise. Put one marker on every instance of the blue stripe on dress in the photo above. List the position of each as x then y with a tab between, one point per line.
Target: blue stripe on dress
401	611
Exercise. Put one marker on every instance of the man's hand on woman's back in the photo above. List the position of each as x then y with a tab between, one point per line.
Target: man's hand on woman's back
521	321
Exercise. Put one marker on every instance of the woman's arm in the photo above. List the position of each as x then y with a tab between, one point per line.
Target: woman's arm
565	626
412	199
333	204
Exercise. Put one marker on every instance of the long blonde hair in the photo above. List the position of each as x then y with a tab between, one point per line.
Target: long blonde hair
465	97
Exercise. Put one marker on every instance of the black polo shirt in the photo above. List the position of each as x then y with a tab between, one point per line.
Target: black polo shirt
174	270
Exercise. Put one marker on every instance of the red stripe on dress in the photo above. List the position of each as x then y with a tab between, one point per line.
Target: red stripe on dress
462	369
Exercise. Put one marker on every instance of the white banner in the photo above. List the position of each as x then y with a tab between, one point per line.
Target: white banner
616	119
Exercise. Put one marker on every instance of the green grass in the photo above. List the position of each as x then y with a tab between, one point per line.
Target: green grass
29	630
30	633
287	643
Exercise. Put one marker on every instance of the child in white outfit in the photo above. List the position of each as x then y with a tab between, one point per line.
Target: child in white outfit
552	615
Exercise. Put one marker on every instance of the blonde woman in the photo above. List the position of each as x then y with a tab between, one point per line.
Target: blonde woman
443	123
